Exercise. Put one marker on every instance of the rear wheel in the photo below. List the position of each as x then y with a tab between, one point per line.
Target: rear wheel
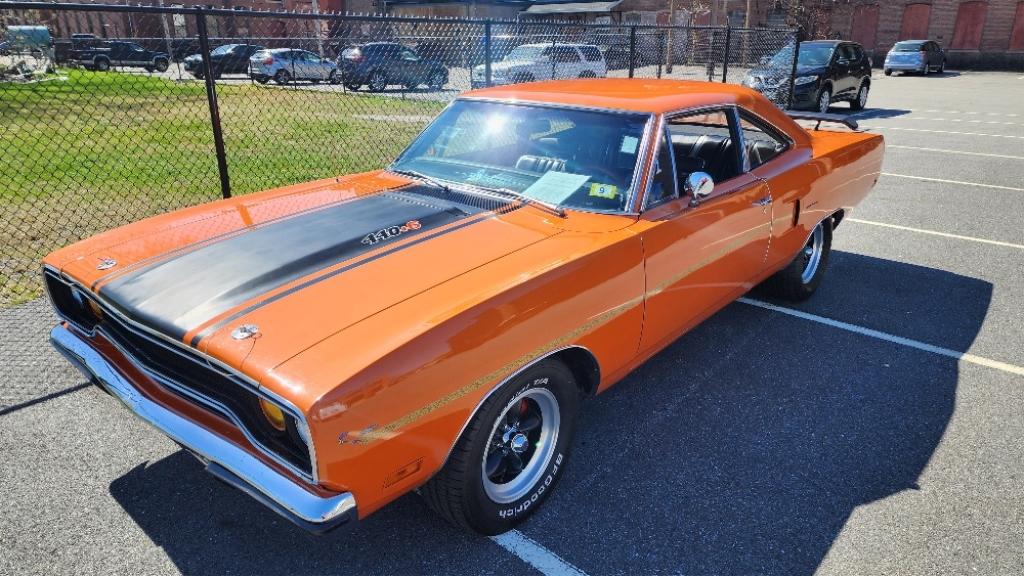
437	81
511	455
102	64
282	77
861	100
801	277
161	65
887	72
942	67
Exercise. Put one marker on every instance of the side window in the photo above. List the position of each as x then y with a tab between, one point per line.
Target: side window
591	53
566	54
762	144
858	54
705	142
663	184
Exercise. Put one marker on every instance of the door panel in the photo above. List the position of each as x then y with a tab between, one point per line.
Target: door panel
699	258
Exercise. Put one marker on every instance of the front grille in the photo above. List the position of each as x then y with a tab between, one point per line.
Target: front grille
185	374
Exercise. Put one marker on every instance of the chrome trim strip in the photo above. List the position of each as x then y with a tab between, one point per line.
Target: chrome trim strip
293	499
193	355
508	378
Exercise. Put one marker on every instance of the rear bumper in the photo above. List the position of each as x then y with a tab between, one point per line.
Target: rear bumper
222	458
904	66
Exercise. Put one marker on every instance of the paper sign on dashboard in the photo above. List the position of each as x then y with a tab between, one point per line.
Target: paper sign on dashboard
555	187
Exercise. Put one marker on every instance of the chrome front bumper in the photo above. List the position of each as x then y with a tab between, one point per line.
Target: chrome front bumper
222	458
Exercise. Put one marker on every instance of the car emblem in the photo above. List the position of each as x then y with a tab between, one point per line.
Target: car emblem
106	264
245	331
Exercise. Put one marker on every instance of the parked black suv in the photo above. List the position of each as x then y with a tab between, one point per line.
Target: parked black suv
117	53
827	71
379	64
226	59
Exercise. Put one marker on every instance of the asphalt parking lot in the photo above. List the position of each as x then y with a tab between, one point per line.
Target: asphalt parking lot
875	429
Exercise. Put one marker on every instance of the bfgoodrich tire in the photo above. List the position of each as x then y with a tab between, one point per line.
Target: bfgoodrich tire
801	277
511	454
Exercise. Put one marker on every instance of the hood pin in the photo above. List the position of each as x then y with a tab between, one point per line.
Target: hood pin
245	331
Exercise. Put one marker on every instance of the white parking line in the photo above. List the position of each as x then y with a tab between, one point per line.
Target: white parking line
963	120
958	152
941	132
544	560
974	113
962	356
978	184
935	233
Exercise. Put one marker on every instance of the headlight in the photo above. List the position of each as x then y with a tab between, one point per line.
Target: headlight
801	80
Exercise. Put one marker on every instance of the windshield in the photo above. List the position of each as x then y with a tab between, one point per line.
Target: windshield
908	47
811	55
525	53
568	158
223	49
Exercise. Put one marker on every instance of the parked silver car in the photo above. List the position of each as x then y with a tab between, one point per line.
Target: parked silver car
284	65
921	56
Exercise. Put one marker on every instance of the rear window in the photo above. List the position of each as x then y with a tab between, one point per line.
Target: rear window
591	53
908	47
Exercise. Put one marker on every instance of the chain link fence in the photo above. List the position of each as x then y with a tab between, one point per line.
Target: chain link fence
109	114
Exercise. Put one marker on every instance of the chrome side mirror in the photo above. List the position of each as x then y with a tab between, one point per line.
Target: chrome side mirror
698	185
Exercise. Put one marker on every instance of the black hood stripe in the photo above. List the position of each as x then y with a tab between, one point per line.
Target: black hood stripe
180	294
184	249
257	305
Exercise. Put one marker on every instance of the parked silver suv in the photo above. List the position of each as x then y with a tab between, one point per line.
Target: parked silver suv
283	65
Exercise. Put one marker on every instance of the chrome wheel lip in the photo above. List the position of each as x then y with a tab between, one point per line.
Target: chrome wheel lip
812	254
533	471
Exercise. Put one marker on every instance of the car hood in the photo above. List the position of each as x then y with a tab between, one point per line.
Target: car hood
775	73
301	263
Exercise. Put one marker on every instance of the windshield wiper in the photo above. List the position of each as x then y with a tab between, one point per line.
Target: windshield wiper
547	206
422	177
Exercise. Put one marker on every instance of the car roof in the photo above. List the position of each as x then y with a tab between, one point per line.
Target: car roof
634	95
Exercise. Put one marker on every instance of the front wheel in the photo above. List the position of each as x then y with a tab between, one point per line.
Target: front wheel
801	277
512	454
162	65
887	72
378	81
824	100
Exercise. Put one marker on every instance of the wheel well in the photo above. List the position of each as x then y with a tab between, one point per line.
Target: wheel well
837	218
584	368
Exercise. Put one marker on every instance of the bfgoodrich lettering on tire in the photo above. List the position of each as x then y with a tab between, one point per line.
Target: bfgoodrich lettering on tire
512	454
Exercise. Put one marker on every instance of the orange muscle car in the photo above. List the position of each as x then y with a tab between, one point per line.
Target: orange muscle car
330	346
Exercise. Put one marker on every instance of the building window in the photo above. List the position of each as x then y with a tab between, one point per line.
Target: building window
1017	35
970	23
915	22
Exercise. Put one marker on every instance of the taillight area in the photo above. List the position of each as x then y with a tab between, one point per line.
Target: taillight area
268	60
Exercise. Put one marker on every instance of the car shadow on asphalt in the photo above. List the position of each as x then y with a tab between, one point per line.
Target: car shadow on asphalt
742	448
869	113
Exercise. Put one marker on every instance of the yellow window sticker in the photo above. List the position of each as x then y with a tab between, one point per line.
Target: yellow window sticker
604	191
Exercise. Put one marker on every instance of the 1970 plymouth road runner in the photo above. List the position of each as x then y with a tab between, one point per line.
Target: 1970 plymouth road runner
330	346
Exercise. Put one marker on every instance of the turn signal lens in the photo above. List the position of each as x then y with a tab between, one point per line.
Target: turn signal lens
273	414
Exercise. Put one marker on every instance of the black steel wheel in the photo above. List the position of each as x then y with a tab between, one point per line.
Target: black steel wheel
511	454
282	77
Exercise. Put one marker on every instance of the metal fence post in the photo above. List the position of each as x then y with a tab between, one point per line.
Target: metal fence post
211	98
728	46
792	72
487	53
632	50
